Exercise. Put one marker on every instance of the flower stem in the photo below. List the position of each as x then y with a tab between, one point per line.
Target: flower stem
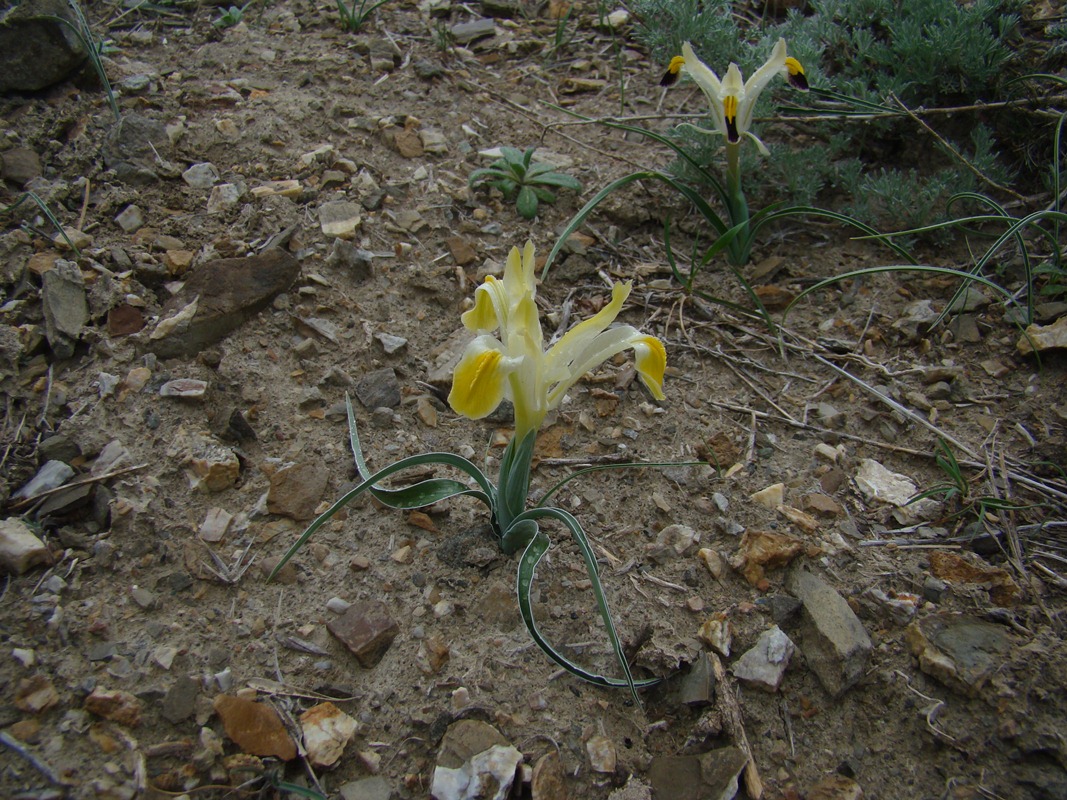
737	206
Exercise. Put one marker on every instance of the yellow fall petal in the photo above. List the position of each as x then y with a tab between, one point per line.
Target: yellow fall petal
479	382
650	358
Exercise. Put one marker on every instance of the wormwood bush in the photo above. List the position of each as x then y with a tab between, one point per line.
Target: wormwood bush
924	52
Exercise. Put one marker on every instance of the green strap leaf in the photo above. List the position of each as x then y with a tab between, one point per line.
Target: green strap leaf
389	496
528	562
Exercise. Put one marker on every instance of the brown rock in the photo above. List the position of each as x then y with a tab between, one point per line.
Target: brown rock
461	250
763	550
295	490
465	739
20	165
954	568
255	727
227	292
35	694
367	630
433	655
122	320
408	143
549	781
835	787
117	706
822	505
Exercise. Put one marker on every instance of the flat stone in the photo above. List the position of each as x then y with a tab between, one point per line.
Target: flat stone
134	148
489	775
340	219
20	549
20	165
35	694
327	731
1044	337
954	568
764	550
379	389
959	650
367	629
390	343
462	251
179	702
372	788
970	299
212	467
218	297
603	757
770	497
38	45
880	485
185	388
467	32
201	176
764	665
51	475
835	787
66	308
215	524
717	633
255	727
711	776
465	739
835	645
353	259
549	782
697	688
295	490
116	706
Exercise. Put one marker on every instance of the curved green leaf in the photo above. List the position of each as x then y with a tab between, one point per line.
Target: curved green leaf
528	562
388	496
557	179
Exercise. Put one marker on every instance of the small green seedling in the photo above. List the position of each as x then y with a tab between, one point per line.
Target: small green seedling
230	16
354	15
523	180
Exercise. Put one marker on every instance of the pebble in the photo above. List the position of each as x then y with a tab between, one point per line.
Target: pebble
764	550
215	524
710	776
770	497
201	176
223	197
295	490
958	650
212	467
327	731
433	654
549	781
254	727
901	607
130	219
379	389
145	598
372	788
35	694
185	388
20	549
51	475
367	629
353	259
880	485
20	165
390	343
697	687
340	219
764	665
116	706
712	560
337	605
717	633
835	645
602	755
179	703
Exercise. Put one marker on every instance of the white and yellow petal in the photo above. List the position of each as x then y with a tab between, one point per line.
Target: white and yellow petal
650	358
480	380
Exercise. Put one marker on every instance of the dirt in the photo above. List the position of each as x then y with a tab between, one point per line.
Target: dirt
146	605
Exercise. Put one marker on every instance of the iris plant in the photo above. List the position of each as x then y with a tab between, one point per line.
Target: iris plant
507	359
732	101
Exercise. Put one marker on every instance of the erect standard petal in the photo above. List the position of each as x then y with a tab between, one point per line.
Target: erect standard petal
650	358
485	316
709	84
479	381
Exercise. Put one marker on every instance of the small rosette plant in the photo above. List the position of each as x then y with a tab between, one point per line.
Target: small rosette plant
508	359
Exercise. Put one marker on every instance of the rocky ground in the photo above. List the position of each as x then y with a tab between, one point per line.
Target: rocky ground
282	218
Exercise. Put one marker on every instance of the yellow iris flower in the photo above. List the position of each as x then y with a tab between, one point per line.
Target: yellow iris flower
732	100
515	365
